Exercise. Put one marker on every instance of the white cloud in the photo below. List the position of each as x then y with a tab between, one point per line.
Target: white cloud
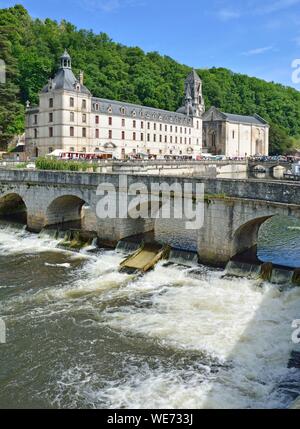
276	6
255	7
227	14
258	51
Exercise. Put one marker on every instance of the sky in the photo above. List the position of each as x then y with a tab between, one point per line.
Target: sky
258	38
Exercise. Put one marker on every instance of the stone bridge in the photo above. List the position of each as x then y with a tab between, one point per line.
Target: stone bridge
269	166
234	210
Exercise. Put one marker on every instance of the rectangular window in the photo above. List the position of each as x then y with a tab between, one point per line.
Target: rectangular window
71	102
197	125
134	136
154	138
160	139
50	132
154	126
97	119
160	127
110	120
35	119
134	124
123	135
83	132
51	102
171	139
166	139
171	128
148	137
110	134
142	124
176	139
176	129
148	125
50	117
35	133
84	118
123	123
142	137
72	117
84	104
233	134
71	131
97	133
166	128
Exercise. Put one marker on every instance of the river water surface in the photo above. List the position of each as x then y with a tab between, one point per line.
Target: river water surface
80	334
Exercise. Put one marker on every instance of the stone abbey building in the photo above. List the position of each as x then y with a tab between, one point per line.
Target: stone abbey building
69	118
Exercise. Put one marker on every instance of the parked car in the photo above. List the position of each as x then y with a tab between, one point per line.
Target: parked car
30	166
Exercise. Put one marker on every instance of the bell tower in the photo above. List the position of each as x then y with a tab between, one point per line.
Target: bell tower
193	92
65	61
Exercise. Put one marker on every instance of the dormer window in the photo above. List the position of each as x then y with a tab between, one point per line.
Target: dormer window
134	113
109	109
123	110
77	87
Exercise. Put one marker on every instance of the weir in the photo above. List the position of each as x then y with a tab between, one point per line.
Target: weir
266	272
182	257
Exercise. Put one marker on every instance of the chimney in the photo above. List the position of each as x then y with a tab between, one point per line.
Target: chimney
81	77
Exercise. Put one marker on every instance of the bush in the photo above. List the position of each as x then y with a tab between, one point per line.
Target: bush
59	165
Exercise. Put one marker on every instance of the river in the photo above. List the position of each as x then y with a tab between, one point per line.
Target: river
81	334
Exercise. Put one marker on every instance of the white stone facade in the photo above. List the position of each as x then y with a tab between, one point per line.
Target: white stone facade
70	119
234	135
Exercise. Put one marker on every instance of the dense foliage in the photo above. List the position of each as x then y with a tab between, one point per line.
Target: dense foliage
53	164
31	48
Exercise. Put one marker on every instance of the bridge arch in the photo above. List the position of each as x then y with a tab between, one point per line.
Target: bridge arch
246	236
13	207
64	211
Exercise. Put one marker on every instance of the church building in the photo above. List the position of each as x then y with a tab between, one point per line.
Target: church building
69	118
234	135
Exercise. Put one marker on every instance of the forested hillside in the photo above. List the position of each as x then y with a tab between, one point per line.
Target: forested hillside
31	48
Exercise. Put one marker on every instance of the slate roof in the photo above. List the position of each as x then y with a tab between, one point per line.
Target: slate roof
245	119
65	79
112	107
217	115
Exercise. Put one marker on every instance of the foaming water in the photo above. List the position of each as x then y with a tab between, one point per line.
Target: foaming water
15	240
82	334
